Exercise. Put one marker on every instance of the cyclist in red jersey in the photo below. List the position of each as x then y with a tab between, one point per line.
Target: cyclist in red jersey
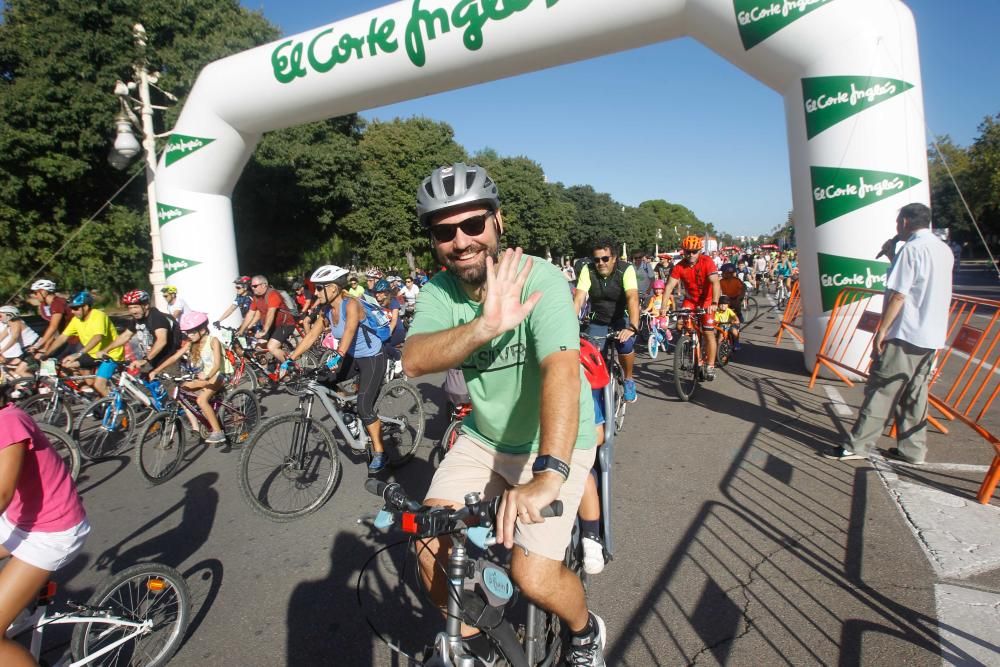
700	278
268	308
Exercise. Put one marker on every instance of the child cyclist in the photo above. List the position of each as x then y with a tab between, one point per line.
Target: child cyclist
659	305
43	525
203	354
589	513
726	317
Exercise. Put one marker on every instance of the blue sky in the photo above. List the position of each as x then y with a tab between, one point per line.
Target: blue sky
675	121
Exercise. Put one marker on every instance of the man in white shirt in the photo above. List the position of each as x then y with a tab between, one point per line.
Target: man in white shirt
913	327
409	292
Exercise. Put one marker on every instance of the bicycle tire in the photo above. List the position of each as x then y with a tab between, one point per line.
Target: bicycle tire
160	447
295	386
239	415
685	368
245	379
269	451
620	404
141	592
49	409
400	401
653	346
750	309
446	443
64	445
99	441
724	353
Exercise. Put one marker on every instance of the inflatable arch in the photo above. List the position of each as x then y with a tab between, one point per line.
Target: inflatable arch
848	71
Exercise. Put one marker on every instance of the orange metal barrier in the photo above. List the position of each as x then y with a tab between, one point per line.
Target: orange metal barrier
847	343
966	380
791	321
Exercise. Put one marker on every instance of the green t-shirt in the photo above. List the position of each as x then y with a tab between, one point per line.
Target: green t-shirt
504	376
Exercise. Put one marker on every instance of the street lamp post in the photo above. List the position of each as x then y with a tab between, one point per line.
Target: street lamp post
126	147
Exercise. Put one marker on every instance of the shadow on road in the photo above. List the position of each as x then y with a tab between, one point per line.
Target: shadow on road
777	561
173	546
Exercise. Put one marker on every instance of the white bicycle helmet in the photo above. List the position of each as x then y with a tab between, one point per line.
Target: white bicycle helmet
46	285
458	184
328	273
10	310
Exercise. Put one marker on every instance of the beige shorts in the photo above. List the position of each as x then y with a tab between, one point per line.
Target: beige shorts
470	466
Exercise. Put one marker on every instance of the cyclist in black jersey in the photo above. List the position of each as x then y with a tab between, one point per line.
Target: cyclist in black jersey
613	290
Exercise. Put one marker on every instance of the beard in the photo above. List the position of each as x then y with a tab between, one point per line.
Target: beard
471	274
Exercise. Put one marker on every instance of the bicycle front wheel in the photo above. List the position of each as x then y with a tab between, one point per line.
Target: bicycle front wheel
65	446
447	442
724	353
400	408
160	448
653	346
685	368
289	467
239	414
750	309
620	404
148	592
49	409
103	429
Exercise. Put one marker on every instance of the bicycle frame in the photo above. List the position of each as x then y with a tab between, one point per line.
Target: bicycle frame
40	618
330	400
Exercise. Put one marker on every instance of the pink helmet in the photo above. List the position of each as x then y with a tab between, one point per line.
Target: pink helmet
192	320
659	284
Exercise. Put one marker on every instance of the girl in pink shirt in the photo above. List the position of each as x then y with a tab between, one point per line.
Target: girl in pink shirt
43	524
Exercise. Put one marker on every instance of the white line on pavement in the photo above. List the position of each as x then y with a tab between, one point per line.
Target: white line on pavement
840	406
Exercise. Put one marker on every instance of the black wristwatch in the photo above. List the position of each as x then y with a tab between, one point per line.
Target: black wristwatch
547	462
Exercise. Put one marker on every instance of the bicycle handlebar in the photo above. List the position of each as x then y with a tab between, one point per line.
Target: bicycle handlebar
687	311
424	521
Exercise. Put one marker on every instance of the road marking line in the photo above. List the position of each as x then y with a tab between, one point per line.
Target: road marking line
840	406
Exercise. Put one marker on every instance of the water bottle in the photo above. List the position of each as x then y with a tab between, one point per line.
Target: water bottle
353	425
159	393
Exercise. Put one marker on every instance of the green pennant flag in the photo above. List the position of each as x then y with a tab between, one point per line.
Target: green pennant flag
831	99
836	273
172	265
166	213
837	191
181	145
759	19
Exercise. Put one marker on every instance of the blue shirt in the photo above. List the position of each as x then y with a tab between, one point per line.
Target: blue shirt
366	343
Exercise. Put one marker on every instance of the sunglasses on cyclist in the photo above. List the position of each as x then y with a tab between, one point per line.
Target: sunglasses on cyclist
473	226
602	260
691	252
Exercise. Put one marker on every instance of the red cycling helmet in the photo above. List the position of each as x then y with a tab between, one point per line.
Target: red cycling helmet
242	280
593	365
135	297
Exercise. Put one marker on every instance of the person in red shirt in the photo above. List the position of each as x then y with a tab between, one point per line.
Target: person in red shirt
268	308
700	278
55	311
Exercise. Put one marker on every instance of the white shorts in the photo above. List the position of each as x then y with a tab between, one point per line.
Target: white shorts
46	551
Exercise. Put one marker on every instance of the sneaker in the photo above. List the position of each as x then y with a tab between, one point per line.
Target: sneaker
709	373
588	651
397	367
593	554
843	454
378	462
479	646
216	438
630	396
894	454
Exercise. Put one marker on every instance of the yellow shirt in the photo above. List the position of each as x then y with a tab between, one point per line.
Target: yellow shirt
97	323
356	291
725	316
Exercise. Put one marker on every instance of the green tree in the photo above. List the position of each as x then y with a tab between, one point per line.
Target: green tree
949	212
535	216
598	216
396	156
59	60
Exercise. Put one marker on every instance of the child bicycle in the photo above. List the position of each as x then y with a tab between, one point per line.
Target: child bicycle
57	396
290	466
140	617
481	590
659	337
161	442
252	367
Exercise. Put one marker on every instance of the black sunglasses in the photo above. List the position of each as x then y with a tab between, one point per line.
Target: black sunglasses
602	260
473	226
691	252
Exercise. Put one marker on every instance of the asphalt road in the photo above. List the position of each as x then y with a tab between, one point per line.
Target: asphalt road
736	543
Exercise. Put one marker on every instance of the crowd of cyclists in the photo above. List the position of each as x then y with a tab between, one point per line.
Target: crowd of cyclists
375	324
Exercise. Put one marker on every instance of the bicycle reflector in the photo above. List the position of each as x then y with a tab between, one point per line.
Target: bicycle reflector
409	523
156	585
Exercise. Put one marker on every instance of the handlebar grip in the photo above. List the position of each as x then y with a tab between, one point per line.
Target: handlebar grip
555	508
392	493
375	487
